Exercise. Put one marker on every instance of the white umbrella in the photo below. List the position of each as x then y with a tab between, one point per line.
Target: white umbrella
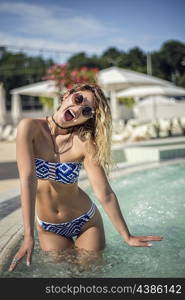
44	88
160	105
122	78
2	104
158	99
151	91
114	79
143	91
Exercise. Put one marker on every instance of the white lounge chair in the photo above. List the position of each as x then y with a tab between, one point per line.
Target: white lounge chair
12	136
7	131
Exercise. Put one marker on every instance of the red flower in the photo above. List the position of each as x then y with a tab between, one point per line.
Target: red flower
61	74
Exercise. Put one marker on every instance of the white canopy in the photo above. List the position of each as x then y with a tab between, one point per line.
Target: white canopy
114	79
143	91
157	99
118	78
44	88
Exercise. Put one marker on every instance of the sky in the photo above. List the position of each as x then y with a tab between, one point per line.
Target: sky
59	29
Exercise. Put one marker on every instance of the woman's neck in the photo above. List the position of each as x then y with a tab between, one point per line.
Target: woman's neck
56	130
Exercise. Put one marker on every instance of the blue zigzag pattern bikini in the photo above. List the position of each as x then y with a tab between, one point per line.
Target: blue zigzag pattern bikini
66	173
69	229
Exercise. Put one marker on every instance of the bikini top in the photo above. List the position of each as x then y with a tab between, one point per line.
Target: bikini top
66	172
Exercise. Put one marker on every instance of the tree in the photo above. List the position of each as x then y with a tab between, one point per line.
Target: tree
136	60
111	57
181	80
157	62
80	60
172	56
77	61
18	69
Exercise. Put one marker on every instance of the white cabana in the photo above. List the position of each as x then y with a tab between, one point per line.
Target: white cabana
158	99
155	107
156	104
143	91
115	79
44	88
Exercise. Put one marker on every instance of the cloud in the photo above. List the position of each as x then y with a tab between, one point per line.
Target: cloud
52	22
52	27
55	49
66	29
22	8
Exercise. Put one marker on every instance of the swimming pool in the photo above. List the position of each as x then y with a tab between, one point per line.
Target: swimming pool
152	202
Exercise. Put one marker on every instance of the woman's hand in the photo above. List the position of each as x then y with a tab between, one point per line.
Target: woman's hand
142	241
25	250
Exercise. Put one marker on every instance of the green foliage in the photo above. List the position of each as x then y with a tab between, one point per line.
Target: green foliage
46	101
135	60
81	60
127	101
18	69
173	53
167	63
111	57
181	81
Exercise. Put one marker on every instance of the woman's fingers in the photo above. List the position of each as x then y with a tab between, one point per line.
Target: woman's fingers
144	241
25	250
14	263
151	238
140	243
145	244
28	259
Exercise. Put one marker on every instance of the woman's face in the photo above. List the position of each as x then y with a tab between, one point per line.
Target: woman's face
70	113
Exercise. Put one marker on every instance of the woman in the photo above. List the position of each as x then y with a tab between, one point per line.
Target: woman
50	152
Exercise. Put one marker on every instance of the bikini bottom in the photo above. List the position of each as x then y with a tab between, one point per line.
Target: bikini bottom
69	229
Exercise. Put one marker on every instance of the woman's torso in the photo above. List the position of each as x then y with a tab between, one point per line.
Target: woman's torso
56	201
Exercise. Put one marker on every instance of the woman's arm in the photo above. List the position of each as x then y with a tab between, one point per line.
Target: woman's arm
27	174
28	184
109	201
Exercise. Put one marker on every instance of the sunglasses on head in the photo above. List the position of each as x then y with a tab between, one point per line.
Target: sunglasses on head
87	111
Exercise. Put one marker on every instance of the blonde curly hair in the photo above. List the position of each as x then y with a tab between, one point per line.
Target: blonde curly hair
99	128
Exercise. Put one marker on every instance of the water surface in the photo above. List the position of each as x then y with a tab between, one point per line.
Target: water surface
153	203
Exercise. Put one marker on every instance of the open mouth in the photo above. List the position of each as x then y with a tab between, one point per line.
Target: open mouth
69	115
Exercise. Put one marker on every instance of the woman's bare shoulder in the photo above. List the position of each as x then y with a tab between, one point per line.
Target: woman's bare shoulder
30	121
87	146
29	125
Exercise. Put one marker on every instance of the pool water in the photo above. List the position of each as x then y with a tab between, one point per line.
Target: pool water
153	203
